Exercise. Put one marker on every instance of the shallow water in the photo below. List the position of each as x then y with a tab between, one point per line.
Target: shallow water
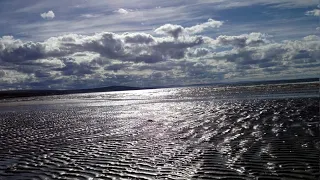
178	133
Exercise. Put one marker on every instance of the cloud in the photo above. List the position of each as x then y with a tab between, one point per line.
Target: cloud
311	38
228	4
89	15
170	29
122	11
75	57
252	39
204	26
176	30
13	50
116	67
73	21
157	44
198	52
2	73
16	51
48	15
315	12
135	57
138	38
132	47
78	69
274	56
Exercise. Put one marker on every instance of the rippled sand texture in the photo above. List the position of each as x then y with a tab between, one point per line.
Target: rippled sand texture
145	136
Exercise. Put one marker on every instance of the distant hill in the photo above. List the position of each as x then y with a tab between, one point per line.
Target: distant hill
29	93
249	83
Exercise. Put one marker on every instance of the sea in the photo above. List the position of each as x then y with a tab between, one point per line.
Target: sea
258	132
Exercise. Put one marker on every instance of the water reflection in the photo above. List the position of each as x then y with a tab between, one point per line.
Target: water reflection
168	133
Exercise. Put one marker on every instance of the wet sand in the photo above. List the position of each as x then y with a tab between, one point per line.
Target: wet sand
186	133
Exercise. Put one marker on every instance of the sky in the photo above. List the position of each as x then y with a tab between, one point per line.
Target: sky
78	44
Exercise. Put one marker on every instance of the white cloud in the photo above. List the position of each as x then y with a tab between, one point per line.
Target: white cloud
176	30
170	29
74	58
113	22
275	57
198	52
89	15
144	12
12	77
113	58
204	26
48	15
8	42
311	38
226	4
315	12
164	3
127	47
122	11
252	39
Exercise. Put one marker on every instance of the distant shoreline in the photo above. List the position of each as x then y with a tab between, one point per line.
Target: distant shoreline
314	82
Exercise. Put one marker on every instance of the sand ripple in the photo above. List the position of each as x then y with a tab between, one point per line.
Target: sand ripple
203	139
